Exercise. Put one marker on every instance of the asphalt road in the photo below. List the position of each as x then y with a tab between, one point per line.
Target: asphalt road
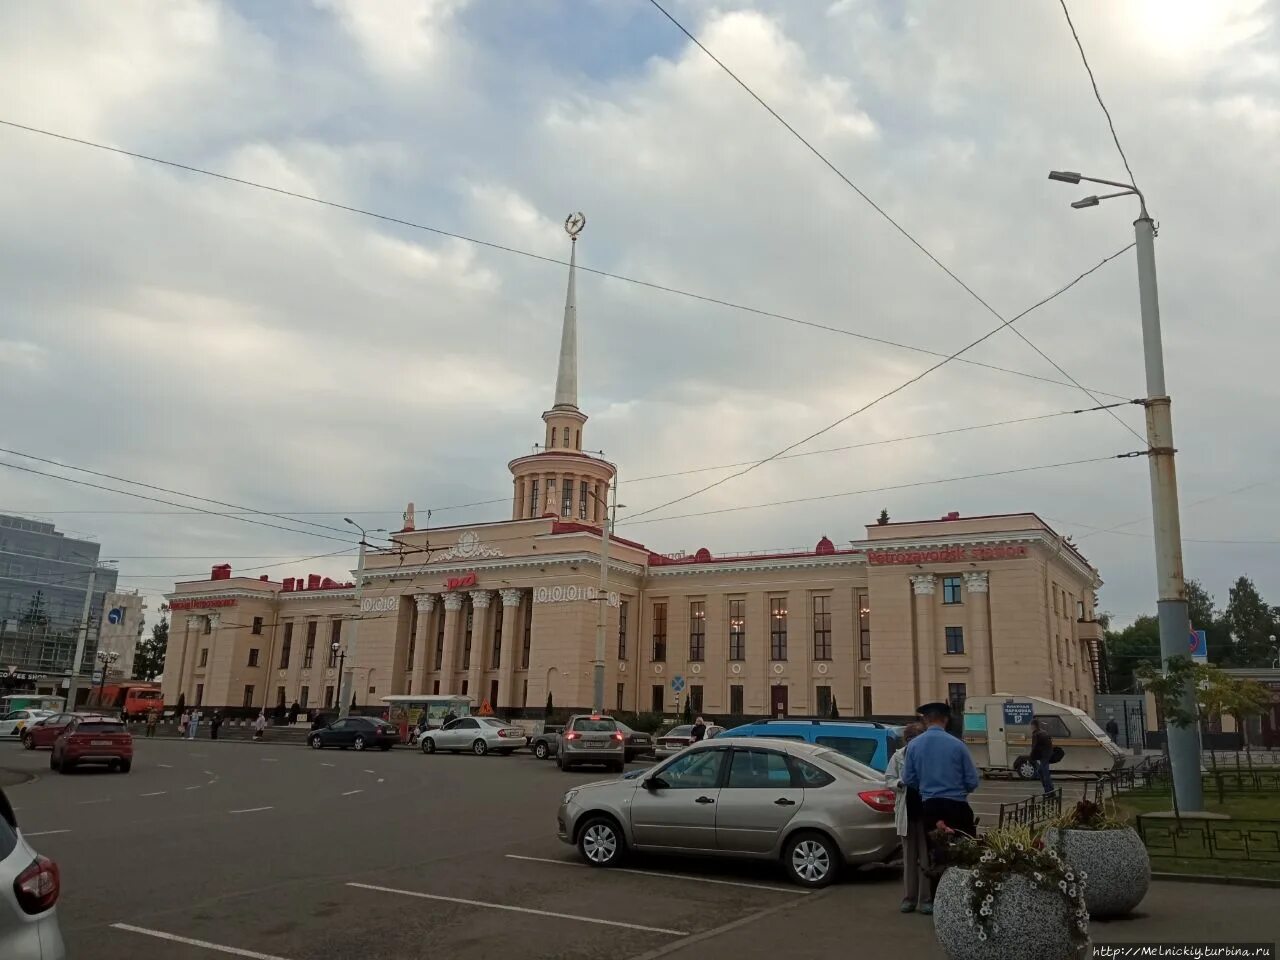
285	853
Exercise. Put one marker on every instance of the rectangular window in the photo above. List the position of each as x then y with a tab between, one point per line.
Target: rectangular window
1080	610
821	629
697	630
248	696
866	702
524	693
655	697
582	499
526	645
413	635
208	625
199	694
735	699
493	694
695	697
280	695
257	626
778	629
824	702
465	685
304	696
468	627
566	498
309	653
566	437
955	639
496	656
950	589
622	689
328	696
534	508
439	639
864	627
956	694
659	632
204	656
253	656
435	687
286	646
737	629
623	609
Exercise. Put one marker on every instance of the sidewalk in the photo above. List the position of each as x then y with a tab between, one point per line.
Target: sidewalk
865	912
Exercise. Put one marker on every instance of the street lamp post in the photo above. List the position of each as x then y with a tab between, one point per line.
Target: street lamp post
341	654
343	703
602	596
105	659
1175	624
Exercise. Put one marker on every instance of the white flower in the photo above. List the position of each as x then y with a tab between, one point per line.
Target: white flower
1071	891
977	883
1083	875
1070	875
1062	885
985	911
1038	876
982	934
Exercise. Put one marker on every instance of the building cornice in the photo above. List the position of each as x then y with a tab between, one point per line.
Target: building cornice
219	595
1049	541
506	563
775	563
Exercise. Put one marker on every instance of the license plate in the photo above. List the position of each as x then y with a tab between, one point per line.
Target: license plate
596	742
100	743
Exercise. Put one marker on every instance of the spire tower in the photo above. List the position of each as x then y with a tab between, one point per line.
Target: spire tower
567	374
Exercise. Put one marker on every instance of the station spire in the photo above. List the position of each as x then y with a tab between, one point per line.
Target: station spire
567	374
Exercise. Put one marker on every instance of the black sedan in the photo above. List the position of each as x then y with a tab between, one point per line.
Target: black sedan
638	744
358	733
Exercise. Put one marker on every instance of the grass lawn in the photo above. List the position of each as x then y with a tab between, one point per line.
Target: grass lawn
1239	806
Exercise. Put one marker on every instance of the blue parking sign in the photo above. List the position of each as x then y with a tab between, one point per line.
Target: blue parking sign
677	683
1018	713
1199	645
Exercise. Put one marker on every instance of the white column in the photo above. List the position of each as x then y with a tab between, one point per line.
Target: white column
506	671
480	641
421	654
923	586
975	587
448	663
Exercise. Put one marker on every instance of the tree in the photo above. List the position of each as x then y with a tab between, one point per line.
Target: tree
551	706
688	710
834	712
1250	622
883	519
181	706
148	663
1246	699
1129	649
1170	690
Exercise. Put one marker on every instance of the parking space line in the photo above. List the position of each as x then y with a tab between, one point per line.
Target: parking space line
155	793
512	909
166	766
668	876
352	792
196	787
174	938
326	764
82	803
43	833
251	810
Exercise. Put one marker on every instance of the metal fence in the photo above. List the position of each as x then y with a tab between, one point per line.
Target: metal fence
1242	840
1032	811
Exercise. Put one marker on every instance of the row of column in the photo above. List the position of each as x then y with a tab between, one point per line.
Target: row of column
481	639
931	641
550	499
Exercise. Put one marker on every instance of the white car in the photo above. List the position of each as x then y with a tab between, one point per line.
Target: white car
14	723
29	890
476	735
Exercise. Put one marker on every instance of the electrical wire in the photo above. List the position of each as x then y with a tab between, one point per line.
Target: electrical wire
662	288
1098	94
884	213
889	393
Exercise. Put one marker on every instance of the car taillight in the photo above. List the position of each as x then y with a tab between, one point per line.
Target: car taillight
38	886
573	736
618	737
881	800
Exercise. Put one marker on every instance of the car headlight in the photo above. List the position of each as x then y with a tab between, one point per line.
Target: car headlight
568	797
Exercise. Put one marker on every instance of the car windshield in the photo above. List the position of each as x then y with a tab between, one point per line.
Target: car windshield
594	725
98	726
849	764
681	731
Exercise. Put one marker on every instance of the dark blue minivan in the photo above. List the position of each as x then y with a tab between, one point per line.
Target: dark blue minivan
866	741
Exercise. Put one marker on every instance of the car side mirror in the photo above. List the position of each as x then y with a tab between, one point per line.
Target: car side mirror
655	783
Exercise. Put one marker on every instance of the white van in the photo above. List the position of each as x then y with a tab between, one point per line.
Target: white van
997	731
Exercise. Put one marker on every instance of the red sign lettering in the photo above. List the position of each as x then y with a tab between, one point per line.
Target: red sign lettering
457	583
201	604
946	555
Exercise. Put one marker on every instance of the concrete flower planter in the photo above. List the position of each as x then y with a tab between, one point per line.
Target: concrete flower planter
1115	862
1028	923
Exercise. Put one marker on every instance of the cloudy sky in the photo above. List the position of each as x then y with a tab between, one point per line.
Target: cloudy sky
265	351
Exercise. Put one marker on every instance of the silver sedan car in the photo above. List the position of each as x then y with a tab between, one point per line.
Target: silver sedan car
476	735
808	807
29	889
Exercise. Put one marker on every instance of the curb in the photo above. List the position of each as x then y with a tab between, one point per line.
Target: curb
10	777
1225	881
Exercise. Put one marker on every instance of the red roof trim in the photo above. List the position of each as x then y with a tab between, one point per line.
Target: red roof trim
572	526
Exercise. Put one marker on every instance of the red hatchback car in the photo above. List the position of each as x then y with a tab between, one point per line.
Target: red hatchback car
93	740
44	732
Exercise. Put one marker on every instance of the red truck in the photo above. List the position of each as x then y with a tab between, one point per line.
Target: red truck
134	697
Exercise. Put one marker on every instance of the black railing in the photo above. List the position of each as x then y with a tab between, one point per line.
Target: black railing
1193	839
1032	811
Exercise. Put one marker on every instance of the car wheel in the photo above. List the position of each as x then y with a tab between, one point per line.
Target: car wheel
66	766
28	742
811	860
358	743
541	750
1025	768
126	766
386	747
479	748
316	743
53	762
600	842
428	745
618	767
112	766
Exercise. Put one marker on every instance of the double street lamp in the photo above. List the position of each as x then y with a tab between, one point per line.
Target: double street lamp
343	707
106	659
341	656
602	596
1175	625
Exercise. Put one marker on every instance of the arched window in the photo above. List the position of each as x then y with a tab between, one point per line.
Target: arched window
566	436
577	439
551	437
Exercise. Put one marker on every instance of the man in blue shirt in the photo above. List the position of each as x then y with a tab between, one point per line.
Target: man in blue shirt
938	765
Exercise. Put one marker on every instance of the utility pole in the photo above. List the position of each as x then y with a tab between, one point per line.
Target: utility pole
81	639
344	702
602	596
1171	603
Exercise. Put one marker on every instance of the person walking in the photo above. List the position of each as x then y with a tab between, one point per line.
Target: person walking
215	724
907	817
194	726
294	710
259	726
184	722
153	718
698	731
1042	754
1113	729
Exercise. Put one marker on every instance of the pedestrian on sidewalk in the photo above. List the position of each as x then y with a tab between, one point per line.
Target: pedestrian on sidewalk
215	724
1042	754
908	818
698	731
184	722
294	710
1113	729
259	726
194	726
153	718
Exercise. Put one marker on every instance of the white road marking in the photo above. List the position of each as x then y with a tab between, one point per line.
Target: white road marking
196	787
351	792
251	810
668	876
167	766
382	780
371	771
82	803
153	794
174	938
209	773
326	764
43	833
508	907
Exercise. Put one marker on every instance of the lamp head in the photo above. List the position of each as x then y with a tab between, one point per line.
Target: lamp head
1085	202
1065	176
349	520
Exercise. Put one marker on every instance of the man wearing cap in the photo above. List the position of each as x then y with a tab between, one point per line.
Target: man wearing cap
938	765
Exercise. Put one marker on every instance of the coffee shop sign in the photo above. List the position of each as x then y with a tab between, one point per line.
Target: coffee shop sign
571	594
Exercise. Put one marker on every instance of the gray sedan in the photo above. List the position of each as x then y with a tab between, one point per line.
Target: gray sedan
808	807
476	735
